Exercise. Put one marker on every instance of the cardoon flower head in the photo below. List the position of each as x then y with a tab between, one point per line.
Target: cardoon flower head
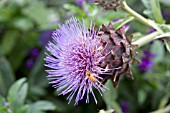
81	59
108	4
74	58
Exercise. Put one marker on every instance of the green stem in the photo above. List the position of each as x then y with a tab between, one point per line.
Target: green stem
165	35
146	39
151	23
164	110
140	18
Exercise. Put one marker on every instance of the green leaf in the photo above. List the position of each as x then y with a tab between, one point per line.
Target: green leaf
165	2
141	97
37	12
156	10
22	109
165	28
158	49
20	50
5	14
75	9
164	102
9	41
122	22
41	106
148	10
18	2
39	64
37	77
106	18
167	44
37	90
153	10
163	110
7	76
3	108
22	23
90	9
156	97
2	101
110	97
17	94
166	38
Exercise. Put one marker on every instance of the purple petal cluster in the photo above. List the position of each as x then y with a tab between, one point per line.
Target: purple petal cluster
73	58
45	37
146	62
6	105
32	56
126	26
79	3
116	19
165	14
151	30
124	107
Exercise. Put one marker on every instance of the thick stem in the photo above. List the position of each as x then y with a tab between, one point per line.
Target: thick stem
163	110
140	18
146	39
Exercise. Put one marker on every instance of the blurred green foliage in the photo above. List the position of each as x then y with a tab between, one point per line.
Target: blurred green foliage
26	90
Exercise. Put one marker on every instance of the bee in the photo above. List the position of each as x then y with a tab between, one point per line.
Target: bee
90	76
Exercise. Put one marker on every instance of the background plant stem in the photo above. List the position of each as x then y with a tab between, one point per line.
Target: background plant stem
140	18
146	39
148	22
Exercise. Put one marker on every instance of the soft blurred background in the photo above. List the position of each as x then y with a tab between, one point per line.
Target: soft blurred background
26	27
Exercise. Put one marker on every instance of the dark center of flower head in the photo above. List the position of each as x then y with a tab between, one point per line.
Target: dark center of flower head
74	60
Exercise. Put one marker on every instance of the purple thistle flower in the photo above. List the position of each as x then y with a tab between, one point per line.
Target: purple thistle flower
45	37
165	14
29	63
147	63
6	105
116	19
32	54
73	59
124	107
126	26
151	30
80	3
